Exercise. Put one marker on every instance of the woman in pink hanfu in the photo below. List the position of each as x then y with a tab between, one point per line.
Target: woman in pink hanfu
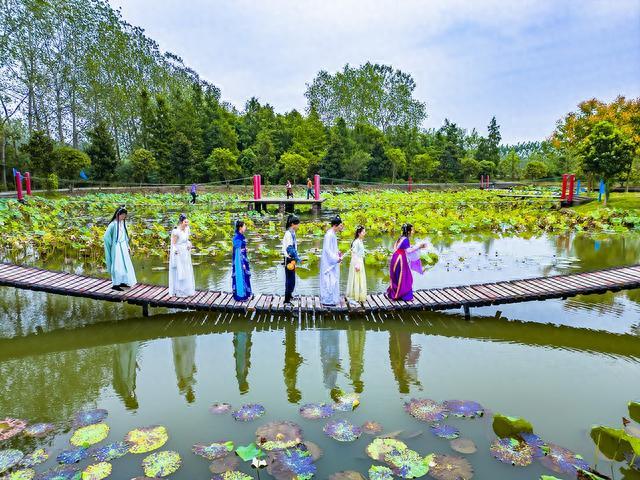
405	258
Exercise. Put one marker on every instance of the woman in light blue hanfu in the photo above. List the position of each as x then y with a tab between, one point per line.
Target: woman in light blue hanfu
117	252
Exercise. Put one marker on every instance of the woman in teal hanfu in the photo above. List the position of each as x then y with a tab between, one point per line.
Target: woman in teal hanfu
117	253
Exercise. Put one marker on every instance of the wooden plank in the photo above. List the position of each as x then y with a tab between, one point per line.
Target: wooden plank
254	301
16	272
523	285
424	297
498	291
464	296
541	286
61	280
423	301
78	280
317	305
568	284
435	301
515	291
617	277
135	292
206	300
442	300
200	294
87	284
370	304
452	295
42	278
488	294
22	275
474	295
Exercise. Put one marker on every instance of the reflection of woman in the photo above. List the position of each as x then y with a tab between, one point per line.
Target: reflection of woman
125	365
242	355
404	360
355	342
184	362
240	271
405	258
292	361
181	281
117	252
357	280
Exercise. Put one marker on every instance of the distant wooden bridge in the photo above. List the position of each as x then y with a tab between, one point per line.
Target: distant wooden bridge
465	297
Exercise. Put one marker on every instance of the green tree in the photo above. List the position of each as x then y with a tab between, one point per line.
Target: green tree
70	161
40	150
536	169
372	93
146	118
398	162
161	136
294	166
247	161
424	165
489	147
143	164
181	158
223	164
356	165
331	164
379	166
470	168
510	165
102	152
487	167
606	152
449	143
265	161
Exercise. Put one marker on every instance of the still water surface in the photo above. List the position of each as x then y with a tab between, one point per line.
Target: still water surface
563	365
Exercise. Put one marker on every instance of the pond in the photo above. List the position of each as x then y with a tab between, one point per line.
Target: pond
562	365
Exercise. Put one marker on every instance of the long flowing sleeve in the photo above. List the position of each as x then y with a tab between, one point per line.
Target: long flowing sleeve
330	249
108	244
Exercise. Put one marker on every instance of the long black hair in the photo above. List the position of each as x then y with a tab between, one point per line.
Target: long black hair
292	220
359	230
119	211
335	221
181	218
406	229
239	225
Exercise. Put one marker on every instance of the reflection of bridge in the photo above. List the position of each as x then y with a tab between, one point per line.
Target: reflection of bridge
489	329
478	295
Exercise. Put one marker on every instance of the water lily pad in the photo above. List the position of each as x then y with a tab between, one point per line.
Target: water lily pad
111	451
445	431
382	446
89	435
161	464
562	460
10	427
38	456
232	475
73	455
342	430
379	472
505	426
24	474
9	458
291	463
463	445
371	428
426	410
97	471
314	411
146	439
248	412
249	452
278	435
89	417
313	448
225	464
347	475
213	450
408	463
538	446
61	472
464	408
220	408
39	429
450	467
512	451
634	411
347	401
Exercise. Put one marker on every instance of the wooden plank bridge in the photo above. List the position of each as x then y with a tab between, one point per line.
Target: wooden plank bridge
465	297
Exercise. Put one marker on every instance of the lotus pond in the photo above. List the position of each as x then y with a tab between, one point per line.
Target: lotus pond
513	394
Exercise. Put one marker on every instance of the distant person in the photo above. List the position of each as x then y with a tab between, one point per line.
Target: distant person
405	258
357	279
289	189
117	252
330	265
181	281
290	255
240	271
194	190
309	189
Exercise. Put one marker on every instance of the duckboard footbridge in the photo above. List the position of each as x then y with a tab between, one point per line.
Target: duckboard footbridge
446	298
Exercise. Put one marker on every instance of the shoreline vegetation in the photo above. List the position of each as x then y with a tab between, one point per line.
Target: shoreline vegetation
73	226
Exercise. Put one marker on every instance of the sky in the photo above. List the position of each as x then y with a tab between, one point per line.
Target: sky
528	62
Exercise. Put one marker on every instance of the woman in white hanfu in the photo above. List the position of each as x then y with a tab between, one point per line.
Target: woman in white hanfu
181	281
330	265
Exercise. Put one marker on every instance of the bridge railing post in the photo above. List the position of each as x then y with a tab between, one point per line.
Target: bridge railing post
565	177
27	182
19	187
409	184
316	186
572	179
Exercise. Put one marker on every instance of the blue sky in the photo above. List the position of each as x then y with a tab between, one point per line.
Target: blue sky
526	62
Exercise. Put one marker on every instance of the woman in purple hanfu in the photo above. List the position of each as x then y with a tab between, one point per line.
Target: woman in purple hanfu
405	258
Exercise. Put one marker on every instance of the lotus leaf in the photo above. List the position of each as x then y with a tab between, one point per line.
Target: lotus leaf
10	427
89	417
9	458
248	412
249	452
111	451
347	475
463	445
449	467
161	464
214	450
445	431
505	426
38	456
634	411
232	475
278	435
97	471
342	430
408	463
73	455
291	463
512	451
538	445
371	428
39	429
146	439
614	443
90	434
24	474
347	401
313	448
225	464
314	411
464	408
562	460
